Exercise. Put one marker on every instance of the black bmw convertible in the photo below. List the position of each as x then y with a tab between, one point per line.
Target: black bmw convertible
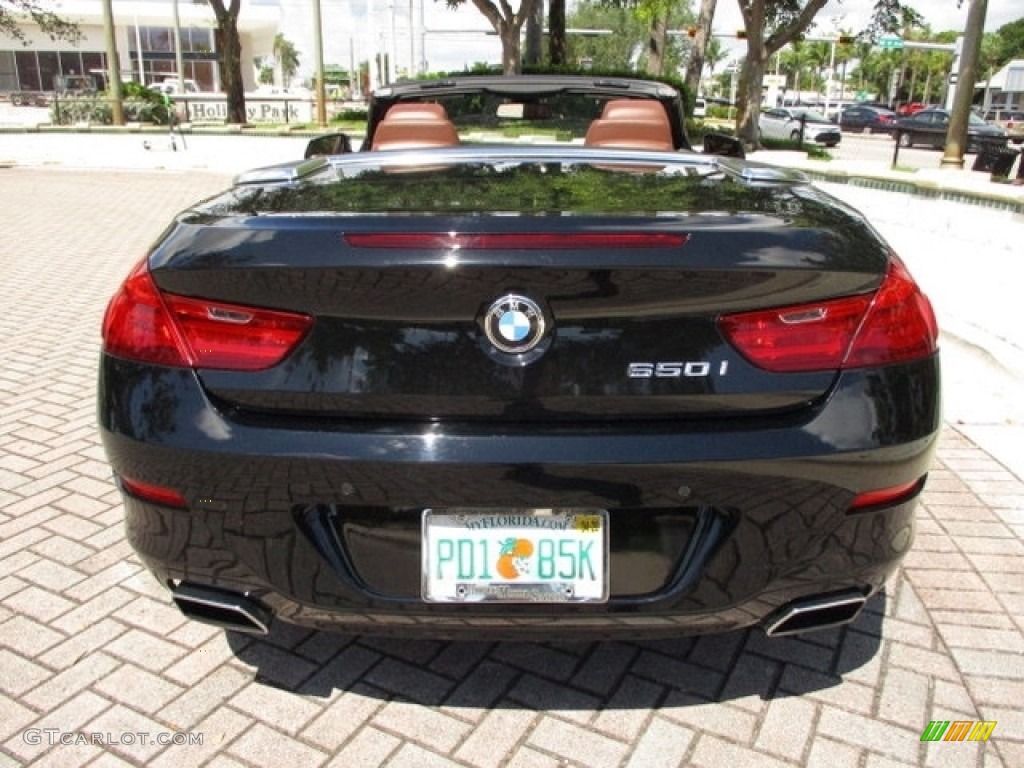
586	385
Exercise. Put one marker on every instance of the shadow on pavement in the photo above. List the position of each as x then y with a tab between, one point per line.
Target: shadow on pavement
556	676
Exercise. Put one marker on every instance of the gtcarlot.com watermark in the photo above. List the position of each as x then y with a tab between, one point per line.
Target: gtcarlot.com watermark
54	736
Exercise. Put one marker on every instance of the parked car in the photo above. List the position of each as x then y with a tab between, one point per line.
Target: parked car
1010	120
172	86
930	126
517	389
906	110
834	109
865	119
790	123
700	107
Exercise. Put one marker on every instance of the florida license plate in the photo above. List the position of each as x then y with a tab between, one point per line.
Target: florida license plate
515	556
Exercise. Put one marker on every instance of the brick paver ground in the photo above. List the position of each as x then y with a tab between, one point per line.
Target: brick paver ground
92	654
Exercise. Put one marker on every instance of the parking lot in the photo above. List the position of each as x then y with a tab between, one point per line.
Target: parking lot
96	667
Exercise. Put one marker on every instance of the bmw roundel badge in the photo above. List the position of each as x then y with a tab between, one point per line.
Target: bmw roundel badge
514	324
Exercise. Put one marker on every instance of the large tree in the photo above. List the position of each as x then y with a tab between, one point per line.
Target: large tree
229	54
13	11
508	23
656	14
556	33
695	67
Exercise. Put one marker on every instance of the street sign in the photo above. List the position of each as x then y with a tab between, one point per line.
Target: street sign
890	43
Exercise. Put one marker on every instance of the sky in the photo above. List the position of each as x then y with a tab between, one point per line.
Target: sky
365	26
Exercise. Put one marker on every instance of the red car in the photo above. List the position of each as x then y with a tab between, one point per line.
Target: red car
910	109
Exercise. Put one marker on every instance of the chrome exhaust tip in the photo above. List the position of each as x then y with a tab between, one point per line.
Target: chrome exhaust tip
822	612
229	610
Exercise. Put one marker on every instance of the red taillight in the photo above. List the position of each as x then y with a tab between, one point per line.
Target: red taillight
810	337
144	324
900	324
895	324
137	325
235	337
885	496
158	494
522	241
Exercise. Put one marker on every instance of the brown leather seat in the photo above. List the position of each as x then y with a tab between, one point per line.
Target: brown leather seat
415	129
631	124
629	134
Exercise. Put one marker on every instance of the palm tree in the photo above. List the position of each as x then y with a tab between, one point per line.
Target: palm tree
714	55
287	58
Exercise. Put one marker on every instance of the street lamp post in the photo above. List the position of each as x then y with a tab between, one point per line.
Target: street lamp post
321	88
178	63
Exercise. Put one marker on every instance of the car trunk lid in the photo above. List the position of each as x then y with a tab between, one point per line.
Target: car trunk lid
439	297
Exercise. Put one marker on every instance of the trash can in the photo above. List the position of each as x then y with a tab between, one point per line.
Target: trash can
995	160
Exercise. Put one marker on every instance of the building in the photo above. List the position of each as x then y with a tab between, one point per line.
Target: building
1005	89
144	37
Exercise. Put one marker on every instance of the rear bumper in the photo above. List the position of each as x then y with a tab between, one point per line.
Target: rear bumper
714	525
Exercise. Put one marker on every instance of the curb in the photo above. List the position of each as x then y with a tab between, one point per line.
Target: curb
1010	201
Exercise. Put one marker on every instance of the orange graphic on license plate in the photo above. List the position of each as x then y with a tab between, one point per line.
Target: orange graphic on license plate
513	557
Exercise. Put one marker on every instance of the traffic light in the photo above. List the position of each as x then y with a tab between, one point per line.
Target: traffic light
846	39
741	34
691	31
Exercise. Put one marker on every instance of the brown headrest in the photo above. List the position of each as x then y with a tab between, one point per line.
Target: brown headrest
416	111
630	134
634	109
414	134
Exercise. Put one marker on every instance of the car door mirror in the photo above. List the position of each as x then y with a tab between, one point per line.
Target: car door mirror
724	145
329	144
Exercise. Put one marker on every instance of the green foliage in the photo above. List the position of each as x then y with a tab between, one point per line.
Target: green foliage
48	22
141	105
351	116
1010	41
607	51
632	22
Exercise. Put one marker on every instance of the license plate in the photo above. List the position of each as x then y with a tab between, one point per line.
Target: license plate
515	556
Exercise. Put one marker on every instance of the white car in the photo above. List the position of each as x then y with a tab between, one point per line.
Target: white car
789	123
171	87
700	107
